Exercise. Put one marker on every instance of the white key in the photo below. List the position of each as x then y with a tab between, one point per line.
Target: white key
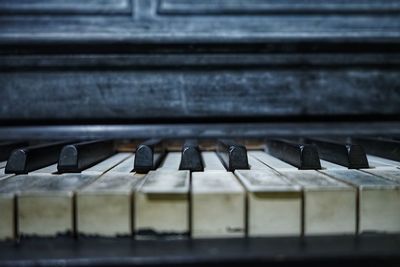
331	166
4	176
329	205
390	173
125	166
8	189
107	164
271	161
48	169
212	162
379	200
7	222
274	204
104	207
3	164
378	162
255	164
218	205
46	208
162	203
171	161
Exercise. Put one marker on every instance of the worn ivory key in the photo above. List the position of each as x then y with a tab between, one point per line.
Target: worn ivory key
162	203
171	161
3	175
255	164
104	207
271	161
379	200
329	205
387	173
45	170
125	166
107	164
217	205
212	162
46	207
274	204
378	162
8	188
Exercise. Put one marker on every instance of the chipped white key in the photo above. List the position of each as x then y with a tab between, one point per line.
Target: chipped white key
271	161
212	162
379	200
126	166
104	207
217	205
329	205
162	203
8	189
107	164
274	204
171	161
46	208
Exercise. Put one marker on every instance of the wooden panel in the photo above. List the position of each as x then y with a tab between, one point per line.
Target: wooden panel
70	7
198	94
273	6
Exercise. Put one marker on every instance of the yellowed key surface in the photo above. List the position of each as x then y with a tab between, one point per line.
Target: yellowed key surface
9	187
271	161
329	205
104	207
379	200
217	205
171	161
274	204
162	203
212	162
46	208
107	164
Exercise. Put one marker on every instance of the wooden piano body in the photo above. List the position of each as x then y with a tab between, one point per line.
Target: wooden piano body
210	69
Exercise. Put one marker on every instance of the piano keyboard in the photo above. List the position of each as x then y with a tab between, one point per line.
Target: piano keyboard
277	188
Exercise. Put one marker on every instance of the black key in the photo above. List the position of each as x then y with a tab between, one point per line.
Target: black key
233	156
191	158
382	147
149	155
304	157
7	147
80	156
348	155
31	158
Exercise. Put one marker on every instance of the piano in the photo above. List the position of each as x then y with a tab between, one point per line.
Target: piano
213	132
